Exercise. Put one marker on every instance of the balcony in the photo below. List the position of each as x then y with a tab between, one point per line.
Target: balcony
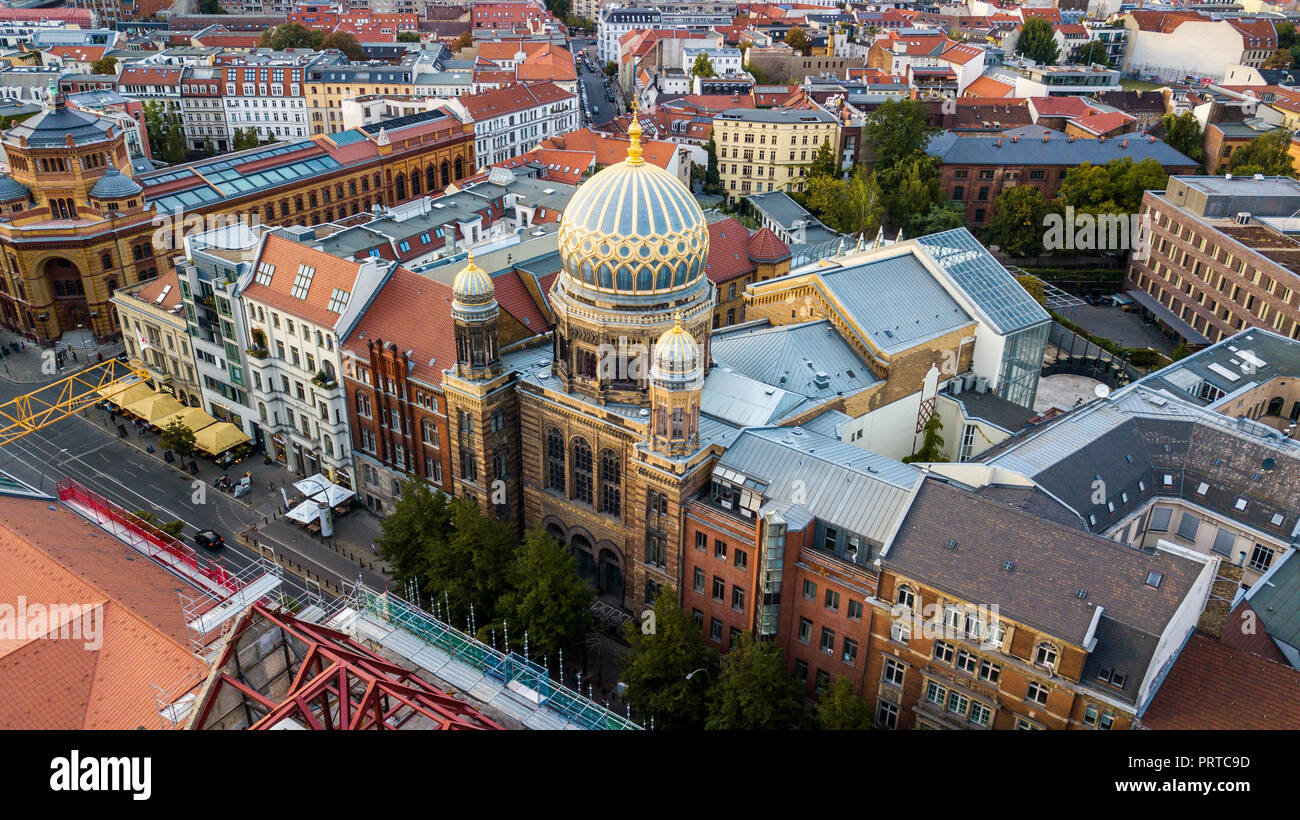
257	353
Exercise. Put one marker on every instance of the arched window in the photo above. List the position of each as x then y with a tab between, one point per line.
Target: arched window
446	173
401	186
906	597
1045	654
582	471
554	460
611	489
431	178
415	183
460	168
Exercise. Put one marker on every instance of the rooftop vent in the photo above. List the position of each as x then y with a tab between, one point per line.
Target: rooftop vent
1081	593
1009	565
952	544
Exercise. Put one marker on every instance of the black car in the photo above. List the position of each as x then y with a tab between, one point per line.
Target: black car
209	539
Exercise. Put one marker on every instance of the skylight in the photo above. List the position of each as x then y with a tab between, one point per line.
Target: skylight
302	281
264	272
338	300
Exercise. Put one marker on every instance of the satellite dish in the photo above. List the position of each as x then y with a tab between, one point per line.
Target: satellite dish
1101	390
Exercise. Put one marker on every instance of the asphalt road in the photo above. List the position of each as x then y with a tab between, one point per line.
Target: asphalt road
597	95
88	451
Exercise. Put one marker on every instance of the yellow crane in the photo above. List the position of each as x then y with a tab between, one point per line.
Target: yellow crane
58	400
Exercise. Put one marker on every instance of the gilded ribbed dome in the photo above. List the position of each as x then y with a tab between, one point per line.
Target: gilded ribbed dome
633	228
676	359
472	290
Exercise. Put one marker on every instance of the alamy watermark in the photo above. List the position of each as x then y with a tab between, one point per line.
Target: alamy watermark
1081	231
24	621
947	622
170	229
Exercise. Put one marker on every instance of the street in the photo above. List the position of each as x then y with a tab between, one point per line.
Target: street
87	449
598	102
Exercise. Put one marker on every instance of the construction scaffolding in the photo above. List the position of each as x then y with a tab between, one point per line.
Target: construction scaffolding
508	681
58	400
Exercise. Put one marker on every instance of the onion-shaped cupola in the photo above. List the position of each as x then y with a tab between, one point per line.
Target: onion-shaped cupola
474	314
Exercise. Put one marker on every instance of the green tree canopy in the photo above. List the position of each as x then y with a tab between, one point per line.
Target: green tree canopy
897	131
661	657
547	598
245	138
344	42
712	177
841	708
420	517
703	66
178	438
465	40
1268	155
1092	52
1016	225
412	37
165	131
1113	188
104	65
1183	133
1037	41
172	528
754	691
470	566
847	206
915	191
290	35
610	68
798	39
931	449
823	162
210	7
942	217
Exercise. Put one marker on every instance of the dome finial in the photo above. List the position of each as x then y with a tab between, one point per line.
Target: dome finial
677	319
634	153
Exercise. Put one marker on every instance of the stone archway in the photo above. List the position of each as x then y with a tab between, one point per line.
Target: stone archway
67	287
610	578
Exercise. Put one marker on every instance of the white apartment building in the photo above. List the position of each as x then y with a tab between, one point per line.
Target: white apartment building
511	121
267	98
203	114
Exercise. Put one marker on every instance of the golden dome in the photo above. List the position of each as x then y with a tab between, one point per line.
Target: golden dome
472	291
676	358
633	228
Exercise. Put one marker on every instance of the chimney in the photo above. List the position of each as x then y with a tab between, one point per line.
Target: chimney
449	230
1223	589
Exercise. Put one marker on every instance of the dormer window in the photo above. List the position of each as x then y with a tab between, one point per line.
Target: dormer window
1045	655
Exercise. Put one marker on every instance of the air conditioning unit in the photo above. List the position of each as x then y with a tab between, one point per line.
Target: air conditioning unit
955	386
982	384
969	380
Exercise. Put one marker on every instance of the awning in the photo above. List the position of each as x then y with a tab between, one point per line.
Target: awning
218	438
1167	317
305	513
192	417
313	485
154	406
130	395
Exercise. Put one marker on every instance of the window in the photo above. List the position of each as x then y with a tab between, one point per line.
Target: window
832	600
611	492
900	631
742	559
943	651
828	640
554	460
850	654
934	693
1045	655
737	599
801	672
1261	558
893	673
855	610
958	703
906	597
990	672
823	680
715	630
887	715
699	580
805	630
1090	716
720	549
1037	693
1188	526
966	662
701	540
719	589
809	590
582	471
980	714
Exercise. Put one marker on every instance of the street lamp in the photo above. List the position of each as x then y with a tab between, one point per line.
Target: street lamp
690	675
323	508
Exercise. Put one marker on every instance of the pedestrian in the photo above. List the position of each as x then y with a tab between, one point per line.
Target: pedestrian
74	354
100	356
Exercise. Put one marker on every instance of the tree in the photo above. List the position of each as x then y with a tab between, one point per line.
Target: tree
1268	155
656	667
178	438
754	691
841	708
165	131
172	528
290	35
1093	51
852	206
105	65
931	449
344	42
414	37
464	41
897	131
712	177
245	138
1183	133
547	598
419	517
703	66
941	217
211	7
915	191
823	162
1114	188
1017	222
1279	59
1037	41
798	39
610	69
468	568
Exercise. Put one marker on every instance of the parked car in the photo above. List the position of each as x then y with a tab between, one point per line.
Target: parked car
210	539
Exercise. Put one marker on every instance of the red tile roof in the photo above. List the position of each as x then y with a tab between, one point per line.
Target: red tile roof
287	255
414	313
1215	686
514	299
1105	123
766	246
728	251
1256	641
511	99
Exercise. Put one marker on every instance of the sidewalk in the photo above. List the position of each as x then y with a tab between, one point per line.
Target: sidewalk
27	366
354	533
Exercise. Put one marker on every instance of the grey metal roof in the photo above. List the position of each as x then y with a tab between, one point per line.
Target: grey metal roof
1030	149
789	357
896	300
743	401
776	115
115	185
1276	599
11	188
1006	306
993	409
843	485
1242	361
52	128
